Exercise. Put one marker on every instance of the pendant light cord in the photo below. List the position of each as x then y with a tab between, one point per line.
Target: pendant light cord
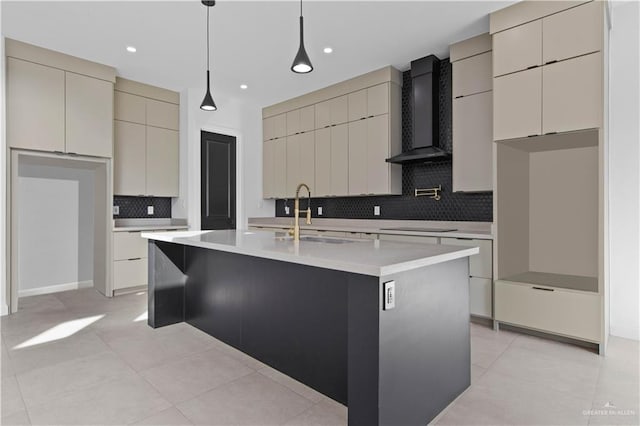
300	7
208	38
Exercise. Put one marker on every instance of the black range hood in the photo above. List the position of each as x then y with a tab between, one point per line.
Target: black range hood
425	79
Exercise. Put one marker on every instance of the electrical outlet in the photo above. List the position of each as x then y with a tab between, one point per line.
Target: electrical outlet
116	210
286	209
319	211
149	210
376	210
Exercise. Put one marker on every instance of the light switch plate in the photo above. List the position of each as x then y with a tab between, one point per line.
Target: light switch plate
319	211
376	210
389	295
116	210
149	210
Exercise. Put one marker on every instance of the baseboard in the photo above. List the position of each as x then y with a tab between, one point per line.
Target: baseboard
629	332
55	288
4	309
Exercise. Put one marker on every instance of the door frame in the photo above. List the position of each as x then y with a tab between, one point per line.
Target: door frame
195	189
13	217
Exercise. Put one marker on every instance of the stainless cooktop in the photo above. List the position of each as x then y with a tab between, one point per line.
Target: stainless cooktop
420	229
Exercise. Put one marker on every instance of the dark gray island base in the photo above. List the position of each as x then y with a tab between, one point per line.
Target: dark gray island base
326	328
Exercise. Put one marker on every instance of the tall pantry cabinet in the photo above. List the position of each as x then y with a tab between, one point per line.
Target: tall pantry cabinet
549	69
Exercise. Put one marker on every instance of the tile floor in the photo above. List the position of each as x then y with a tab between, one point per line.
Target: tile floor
78	358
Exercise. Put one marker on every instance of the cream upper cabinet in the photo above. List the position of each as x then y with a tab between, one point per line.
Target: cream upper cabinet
130	107
163	154
275	127
378	100
293	164
517	48
472	75
358	157
573	32
572	94
293	122
358	105
129	169
268	169
332	112
378	170
308	118
267	129
35	94
163	114
300	162
517	105
275	171
323	163
473	143
339	160
89	116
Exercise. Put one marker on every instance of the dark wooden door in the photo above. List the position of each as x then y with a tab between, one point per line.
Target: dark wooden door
218	181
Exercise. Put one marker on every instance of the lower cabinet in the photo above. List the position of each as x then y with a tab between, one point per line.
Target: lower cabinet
129	260
409	238
480	295
545	308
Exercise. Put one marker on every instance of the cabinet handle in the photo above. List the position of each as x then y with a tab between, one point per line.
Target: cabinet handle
533	136
551	62
363	118
328	125
58	152
73	154
532	67
459	96
543	289
135	258
551	133
465	239
371	116
133	232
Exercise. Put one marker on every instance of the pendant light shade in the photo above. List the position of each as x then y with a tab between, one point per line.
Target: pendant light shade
207	103
301	63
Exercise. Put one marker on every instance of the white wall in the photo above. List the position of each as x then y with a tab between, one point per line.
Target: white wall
234	117
624	171
4	307
55	227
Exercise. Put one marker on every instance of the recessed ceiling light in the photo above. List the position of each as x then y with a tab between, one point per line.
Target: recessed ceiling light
131	49
244	86
328	50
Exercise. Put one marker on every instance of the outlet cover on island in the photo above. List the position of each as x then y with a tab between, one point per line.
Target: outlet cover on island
376	210
116	210
149	210
286	209
319	211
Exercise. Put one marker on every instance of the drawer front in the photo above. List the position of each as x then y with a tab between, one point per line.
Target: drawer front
128	245
572	314
129	273
480	265
480	296
409	238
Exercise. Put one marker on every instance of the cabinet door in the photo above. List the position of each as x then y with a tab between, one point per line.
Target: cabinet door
472	75
572	94
473	142
358	157
130	107
293	165
574	32
128	245
129	273
293	122
357	105
480	265
280	125
89	115
340	160
129	159
323	163
339	110
323	114
378	170
517	104
480	297
268	170
378	100
517	48
267	129
163	162
307	159
280	168
35	106
307	118
163	114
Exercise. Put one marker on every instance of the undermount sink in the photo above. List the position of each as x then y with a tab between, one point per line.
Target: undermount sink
314	239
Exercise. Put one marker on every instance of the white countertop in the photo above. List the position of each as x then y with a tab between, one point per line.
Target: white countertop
148	228
367	257
473	230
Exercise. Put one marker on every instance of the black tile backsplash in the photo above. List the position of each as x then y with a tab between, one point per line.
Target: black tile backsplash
477	207
136	207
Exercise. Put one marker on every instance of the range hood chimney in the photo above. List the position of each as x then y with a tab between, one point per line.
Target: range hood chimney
425	99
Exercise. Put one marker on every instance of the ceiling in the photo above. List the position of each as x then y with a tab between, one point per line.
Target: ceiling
253	42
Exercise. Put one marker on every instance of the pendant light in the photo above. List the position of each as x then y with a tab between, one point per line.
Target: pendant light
301	63
207	103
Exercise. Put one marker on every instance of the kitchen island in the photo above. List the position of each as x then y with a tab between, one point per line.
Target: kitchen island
380	326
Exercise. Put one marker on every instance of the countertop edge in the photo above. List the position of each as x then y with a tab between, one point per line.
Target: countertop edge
148	228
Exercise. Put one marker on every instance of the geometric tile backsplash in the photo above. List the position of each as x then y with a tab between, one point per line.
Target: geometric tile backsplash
136	207
475	207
